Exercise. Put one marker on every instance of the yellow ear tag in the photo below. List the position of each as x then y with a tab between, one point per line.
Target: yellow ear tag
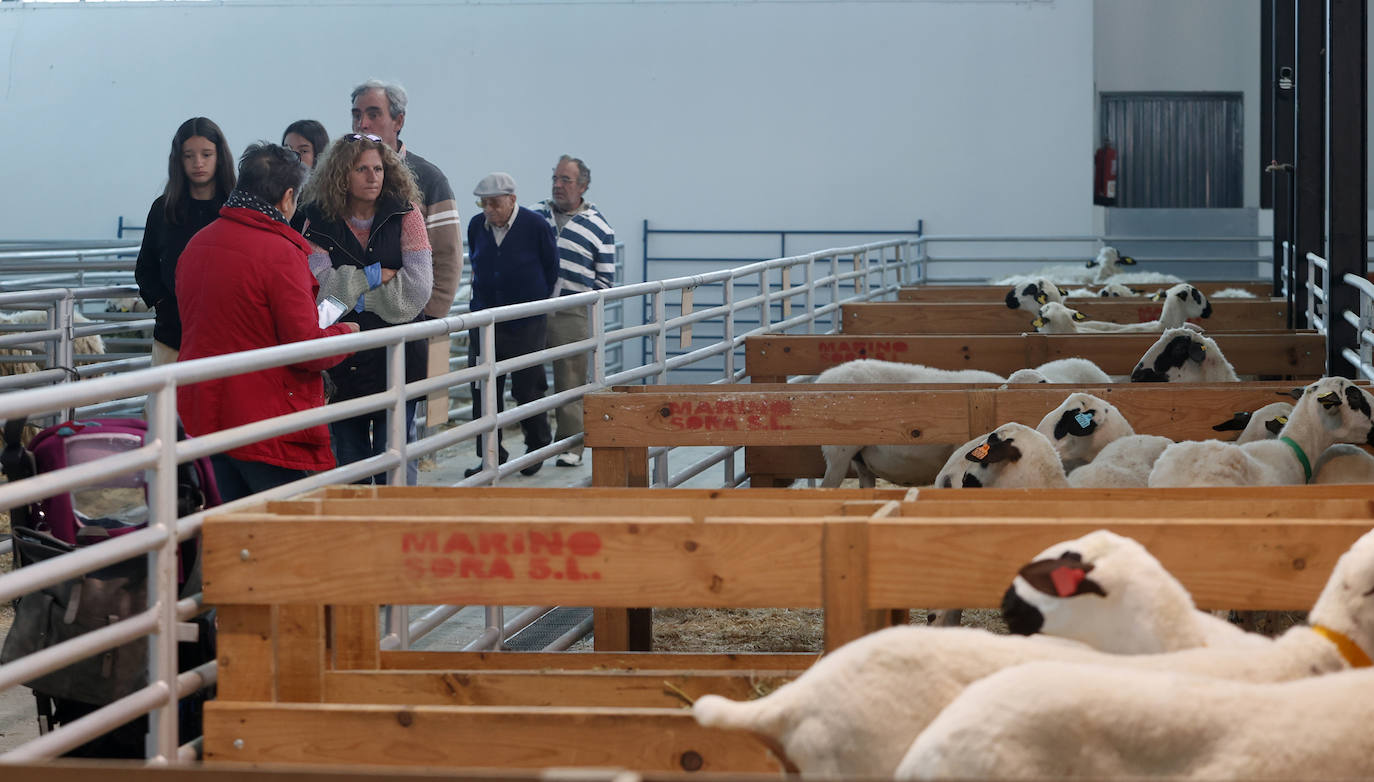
1038	322
1282	419
980	452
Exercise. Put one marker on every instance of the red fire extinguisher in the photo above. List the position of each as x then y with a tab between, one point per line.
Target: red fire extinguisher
1104	174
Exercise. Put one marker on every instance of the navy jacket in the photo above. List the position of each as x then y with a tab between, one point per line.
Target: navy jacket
523	268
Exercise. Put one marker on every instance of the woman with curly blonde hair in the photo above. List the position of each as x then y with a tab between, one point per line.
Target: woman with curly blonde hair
369	250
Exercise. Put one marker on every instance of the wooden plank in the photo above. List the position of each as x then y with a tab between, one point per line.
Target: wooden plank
998	293
735	415
844	582
775	358
627	562
1225	563
354	637
639	689
987	318
244	645
646	502
1256	493
810	414
597	661
1071	506
448	736
300	653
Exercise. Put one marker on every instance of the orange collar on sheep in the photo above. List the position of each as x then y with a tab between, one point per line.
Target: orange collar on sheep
1351	651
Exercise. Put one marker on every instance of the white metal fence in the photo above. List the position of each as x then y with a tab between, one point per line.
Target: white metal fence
804	291
800	294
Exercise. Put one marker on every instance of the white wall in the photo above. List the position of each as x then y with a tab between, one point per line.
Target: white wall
1183	46
976	116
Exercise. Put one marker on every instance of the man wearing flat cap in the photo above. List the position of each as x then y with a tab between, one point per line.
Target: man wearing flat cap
514	259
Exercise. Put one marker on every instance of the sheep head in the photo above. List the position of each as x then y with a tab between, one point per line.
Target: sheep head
1011	456
1081	426
1103	589
1182	355
1343	409
1346	604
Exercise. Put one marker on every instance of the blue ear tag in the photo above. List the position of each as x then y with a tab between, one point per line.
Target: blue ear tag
1084	419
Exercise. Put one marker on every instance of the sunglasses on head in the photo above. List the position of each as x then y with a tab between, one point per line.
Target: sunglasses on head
361	136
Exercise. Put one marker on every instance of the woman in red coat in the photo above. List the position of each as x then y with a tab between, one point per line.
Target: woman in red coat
243	283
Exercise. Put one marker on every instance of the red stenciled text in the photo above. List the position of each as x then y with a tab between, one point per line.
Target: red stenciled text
505	555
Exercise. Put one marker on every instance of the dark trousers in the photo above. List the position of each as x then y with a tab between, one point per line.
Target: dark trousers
515	338
239	478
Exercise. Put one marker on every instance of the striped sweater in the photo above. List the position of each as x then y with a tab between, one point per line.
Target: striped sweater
586	249
445	232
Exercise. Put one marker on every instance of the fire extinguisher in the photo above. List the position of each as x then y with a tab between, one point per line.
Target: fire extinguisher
1104	175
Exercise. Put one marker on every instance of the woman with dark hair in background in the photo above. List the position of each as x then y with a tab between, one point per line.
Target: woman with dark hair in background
369	250
200	176
307	138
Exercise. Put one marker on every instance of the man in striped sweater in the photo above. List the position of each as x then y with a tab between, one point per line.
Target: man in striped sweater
586	262
379	108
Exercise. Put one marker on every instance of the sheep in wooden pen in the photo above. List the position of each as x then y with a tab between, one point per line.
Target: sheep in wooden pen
1343	463
1078	371
1124	463
1059	720
1033	292
1081	426
1181	303
1099	589
1012	456
1262	424
858	709
1331	410
908	465
1182	355
91	344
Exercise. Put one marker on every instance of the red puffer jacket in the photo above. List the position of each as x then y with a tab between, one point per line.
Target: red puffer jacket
243	283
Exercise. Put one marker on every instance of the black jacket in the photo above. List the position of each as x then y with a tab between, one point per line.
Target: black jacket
365	372
156	268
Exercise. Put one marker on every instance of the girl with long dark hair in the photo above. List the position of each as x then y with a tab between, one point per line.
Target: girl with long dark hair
200	176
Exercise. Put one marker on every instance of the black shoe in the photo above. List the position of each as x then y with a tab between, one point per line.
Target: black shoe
532	469
471	471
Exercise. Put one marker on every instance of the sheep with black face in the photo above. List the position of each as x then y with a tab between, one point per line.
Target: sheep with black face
1182	355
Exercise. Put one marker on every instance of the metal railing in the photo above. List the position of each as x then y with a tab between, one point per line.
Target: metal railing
1318	313
869	271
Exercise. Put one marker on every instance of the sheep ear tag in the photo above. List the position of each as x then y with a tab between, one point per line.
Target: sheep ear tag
1063	577
1079	316
1275	425
1329	400
1038	322
979	454
1041	299
1066	580
1197	351
1126	260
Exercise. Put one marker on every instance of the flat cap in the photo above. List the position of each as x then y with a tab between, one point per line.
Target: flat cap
495	184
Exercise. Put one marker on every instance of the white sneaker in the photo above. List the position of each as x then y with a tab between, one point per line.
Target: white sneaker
569	460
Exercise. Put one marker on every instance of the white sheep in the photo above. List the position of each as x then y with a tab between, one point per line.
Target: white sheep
1331	410
1343	463
1081	426
1116	289
857	710
1033	292
1261	424
1125	463
1053	720
1107	591
1012	456
1181	302
91	344
1182	355
1107	264
908	465
1076	370
1025	376
1233	293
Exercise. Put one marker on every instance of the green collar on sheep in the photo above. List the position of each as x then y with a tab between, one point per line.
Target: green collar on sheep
1302	457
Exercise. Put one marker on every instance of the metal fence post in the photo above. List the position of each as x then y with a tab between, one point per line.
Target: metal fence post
162	573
